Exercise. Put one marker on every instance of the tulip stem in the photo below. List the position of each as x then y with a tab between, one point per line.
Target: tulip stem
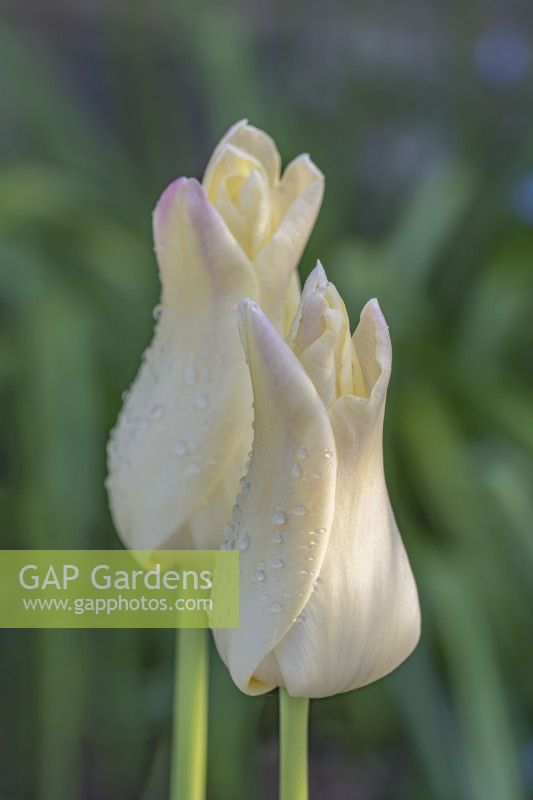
189	735
293	716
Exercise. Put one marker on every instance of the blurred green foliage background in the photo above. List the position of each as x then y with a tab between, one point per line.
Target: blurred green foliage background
419	114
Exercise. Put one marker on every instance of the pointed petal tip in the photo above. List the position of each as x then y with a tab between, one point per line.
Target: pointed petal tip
168	195
188	190
305	158
237	126
373	346
246	308
249	314
372	311
318	275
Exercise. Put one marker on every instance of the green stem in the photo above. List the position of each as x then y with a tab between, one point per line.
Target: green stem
293	716
189	738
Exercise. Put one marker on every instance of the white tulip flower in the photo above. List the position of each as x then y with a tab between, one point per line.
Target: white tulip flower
179	447
328	599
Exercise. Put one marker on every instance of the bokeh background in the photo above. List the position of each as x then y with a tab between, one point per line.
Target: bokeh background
420	115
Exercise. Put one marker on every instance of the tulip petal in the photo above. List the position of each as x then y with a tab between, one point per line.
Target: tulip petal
283	515
189	410
251	141
320	337
292	302
363	619
298	202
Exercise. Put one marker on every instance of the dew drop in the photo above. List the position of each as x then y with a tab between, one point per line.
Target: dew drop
328	453
277	538
156	313
243	540
190	374
296	470
280	517
202	400
194	469
260	575
278	563
299	511
320	531
181	448
276	608
302	453
156	412
317	582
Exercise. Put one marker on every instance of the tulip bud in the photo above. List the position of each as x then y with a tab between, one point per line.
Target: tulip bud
180	444
328	599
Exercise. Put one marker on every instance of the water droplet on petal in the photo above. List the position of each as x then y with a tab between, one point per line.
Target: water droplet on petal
276	608
280	517
328	453
243	540
302	453
320	531
194	469
190	374
156	412
277	538
278	563
300	511
296	470
260	575
156	313
202	400
181	448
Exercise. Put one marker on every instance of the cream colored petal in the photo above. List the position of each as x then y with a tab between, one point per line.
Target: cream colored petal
207	524
308	327
230	171
188	413
276	262
363	619
284	512
299	176
320	337
292	301
252	141
247	211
